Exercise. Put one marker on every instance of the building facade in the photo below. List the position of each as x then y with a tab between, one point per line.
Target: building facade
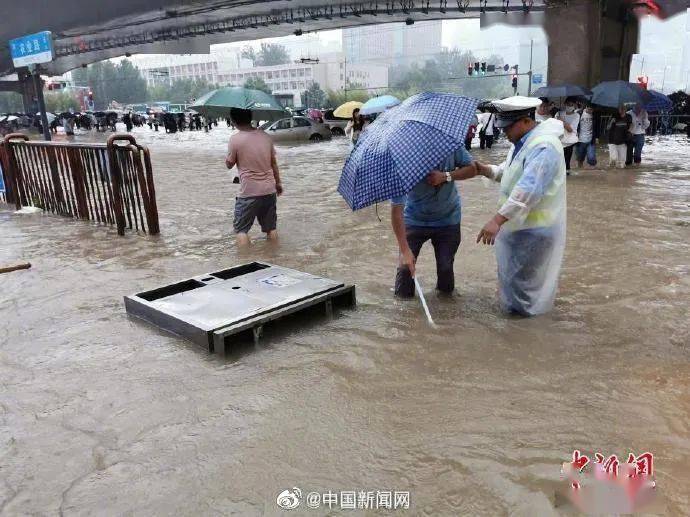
392	44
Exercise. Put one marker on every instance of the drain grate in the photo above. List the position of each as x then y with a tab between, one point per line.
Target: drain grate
216	309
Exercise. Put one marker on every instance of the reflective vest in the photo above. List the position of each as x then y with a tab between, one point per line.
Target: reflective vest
548	211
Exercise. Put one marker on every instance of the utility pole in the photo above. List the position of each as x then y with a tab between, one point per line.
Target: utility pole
529	74
345	84
38	89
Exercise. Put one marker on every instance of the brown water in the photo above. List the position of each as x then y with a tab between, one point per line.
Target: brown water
104	415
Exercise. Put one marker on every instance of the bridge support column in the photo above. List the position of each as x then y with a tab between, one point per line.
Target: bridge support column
590	41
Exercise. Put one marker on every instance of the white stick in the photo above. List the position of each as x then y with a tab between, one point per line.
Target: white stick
421	297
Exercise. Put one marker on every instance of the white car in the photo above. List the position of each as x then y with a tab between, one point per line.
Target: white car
297	128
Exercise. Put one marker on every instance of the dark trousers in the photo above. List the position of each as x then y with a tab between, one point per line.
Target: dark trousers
634	151
485	140
468	143
568	154
446	241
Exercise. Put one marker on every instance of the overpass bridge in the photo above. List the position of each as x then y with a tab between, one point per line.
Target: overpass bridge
590	40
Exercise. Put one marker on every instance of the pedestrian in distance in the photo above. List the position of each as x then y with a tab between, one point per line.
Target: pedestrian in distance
639	123
618	133
588	132
571	121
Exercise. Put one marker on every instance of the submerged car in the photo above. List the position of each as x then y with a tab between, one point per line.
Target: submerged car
297	128
336	124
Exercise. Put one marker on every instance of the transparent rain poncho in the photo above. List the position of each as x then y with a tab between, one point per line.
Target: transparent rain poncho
529	247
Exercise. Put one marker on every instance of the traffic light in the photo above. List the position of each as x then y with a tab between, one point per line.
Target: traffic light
506	68
476	67
515	79
90	96
643	81
470	69
483	68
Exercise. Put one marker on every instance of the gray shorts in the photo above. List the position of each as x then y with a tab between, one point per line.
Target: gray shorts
262	208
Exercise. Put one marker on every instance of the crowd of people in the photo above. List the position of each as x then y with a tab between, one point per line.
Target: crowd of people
625	132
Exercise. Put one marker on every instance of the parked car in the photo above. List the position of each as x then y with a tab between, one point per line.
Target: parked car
297	128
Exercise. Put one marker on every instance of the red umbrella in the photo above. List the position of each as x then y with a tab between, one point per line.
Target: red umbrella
315	114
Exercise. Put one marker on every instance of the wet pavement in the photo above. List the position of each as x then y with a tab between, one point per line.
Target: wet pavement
102	414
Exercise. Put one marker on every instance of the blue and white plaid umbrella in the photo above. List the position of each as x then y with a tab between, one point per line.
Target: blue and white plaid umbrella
378	104
403	145
658	102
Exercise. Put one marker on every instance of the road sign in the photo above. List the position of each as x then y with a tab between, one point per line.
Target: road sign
32	49
2	180
537	78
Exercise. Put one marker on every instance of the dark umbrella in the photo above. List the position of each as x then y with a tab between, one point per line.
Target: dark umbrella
562	90
658	102
613	94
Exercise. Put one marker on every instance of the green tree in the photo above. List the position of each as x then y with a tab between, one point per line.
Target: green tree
130	86
336	98
257	83
57	102
249	53
273	54
182	91
314	97
269	54
11	102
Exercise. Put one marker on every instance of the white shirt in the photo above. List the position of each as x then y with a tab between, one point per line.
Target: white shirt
487	120
586	131
639	123
569	137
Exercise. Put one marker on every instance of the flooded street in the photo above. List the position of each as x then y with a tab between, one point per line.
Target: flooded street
101	414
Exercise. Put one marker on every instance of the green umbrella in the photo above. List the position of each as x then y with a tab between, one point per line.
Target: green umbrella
219	102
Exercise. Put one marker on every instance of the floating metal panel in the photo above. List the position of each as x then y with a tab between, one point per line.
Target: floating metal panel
209	309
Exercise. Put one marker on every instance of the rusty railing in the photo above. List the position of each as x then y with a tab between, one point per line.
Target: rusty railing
108	183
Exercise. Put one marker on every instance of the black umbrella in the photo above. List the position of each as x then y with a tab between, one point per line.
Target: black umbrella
562	90
613	94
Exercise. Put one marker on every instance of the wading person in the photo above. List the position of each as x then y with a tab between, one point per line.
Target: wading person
431	212
354	127
543	110
486	133
639	122
586	147
253	152
618	133
529	227
571	122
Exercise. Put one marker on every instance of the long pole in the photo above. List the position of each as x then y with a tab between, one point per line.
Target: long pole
529	86
38	88
345	67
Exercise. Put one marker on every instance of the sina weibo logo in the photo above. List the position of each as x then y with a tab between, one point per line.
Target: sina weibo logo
289	499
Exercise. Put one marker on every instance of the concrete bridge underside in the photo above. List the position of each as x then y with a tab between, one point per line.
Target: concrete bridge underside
590	40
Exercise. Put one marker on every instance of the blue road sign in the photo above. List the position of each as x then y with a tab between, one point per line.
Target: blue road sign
32	49
537	78
2	180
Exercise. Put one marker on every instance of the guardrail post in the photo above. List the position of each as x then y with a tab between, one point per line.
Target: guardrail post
116	178
15	177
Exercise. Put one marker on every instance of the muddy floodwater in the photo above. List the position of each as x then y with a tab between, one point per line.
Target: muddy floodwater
101	414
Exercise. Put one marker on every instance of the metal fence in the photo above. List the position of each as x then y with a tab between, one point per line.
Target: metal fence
108	183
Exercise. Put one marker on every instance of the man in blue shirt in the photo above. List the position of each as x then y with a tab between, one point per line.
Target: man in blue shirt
431	211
